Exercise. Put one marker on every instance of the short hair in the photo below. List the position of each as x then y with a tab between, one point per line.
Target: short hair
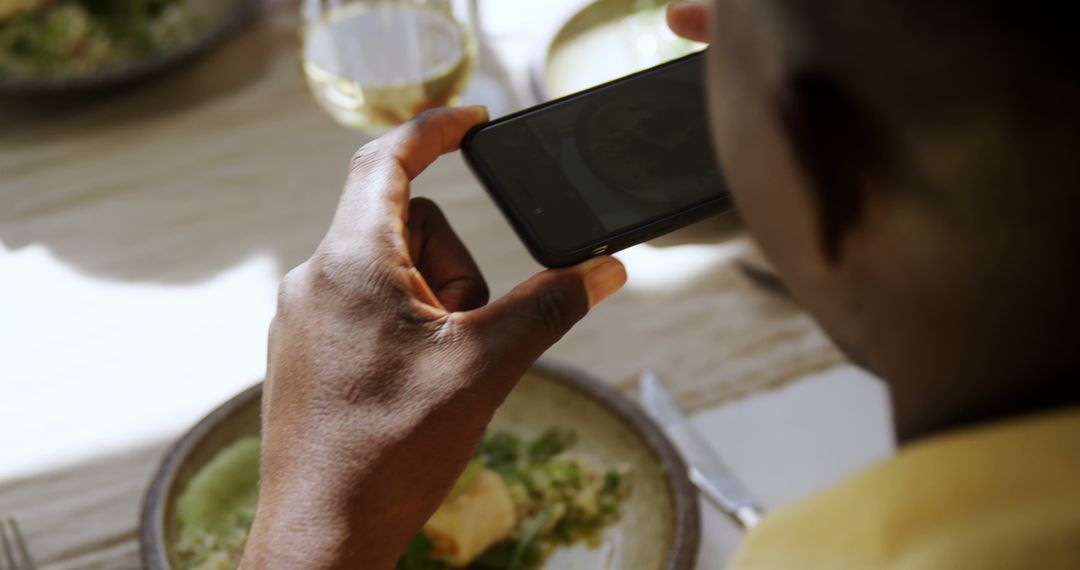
982	98
984	92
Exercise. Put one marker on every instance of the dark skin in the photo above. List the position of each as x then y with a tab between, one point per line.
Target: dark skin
894	274
387	361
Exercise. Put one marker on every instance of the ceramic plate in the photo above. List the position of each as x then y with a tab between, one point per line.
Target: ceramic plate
659	527
219	18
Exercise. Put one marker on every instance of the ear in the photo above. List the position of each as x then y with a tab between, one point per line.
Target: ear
838	148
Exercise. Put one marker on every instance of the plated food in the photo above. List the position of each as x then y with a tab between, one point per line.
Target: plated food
626	501
65	37
50	46
516	502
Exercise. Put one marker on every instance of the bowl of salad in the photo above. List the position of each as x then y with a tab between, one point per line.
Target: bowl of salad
51	46
569	475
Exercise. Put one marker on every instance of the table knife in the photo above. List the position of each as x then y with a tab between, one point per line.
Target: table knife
707	471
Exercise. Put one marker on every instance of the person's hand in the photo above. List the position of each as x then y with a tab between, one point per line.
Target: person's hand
386	362
690	20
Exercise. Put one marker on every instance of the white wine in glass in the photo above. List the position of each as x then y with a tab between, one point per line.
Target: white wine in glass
373	64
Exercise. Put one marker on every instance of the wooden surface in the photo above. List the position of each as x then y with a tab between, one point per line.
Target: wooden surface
174	187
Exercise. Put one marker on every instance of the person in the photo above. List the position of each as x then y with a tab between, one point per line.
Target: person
909	169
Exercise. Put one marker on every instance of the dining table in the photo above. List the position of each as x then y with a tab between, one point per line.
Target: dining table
144	230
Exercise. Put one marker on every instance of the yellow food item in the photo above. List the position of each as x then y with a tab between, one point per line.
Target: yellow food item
472	520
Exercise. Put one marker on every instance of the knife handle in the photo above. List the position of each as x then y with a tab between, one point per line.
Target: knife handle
747	516
746	513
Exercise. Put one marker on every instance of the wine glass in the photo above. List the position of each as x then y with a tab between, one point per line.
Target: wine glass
373	64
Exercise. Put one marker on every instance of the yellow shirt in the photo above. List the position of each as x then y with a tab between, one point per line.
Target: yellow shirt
1001	497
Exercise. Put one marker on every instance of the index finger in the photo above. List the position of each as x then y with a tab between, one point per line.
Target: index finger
377	188
417	143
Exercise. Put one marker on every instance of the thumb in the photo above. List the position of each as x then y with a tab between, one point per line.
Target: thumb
537	313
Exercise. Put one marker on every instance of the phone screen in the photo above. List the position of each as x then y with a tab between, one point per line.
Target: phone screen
605	161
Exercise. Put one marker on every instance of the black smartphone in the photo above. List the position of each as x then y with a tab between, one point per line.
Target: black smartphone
606	168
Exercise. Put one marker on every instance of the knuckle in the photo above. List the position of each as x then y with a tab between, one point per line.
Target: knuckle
276	329
551	310
290	288
426	123
346	272
366	157
345	281
342	279
426	116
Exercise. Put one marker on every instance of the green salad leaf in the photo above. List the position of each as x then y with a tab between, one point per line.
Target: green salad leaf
525	549
552	442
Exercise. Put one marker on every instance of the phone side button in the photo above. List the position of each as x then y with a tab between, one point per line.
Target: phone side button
599	249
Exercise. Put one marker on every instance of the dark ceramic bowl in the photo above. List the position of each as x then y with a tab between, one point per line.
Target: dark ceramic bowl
659	527
221	17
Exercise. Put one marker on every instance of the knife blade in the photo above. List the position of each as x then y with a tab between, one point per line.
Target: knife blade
707	470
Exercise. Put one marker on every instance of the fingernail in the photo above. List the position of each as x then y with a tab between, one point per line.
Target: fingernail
603	277
480	110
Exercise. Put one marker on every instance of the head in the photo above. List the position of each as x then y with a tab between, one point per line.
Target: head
909	167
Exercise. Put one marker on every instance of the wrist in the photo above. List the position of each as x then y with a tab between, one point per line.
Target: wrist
321	506
284	537
298	523
347	484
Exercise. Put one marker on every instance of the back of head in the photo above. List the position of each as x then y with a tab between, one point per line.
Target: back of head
971	109
980	98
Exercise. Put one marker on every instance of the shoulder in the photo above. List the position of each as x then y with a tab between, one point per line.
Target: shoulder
1002	496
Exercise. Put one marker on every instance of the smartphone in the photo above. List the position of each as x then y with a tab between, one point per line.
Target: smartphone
606	168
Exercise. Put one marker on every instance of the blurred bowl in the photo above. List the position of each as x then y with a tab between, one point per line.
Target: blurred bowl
605	40
221	17
659	526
